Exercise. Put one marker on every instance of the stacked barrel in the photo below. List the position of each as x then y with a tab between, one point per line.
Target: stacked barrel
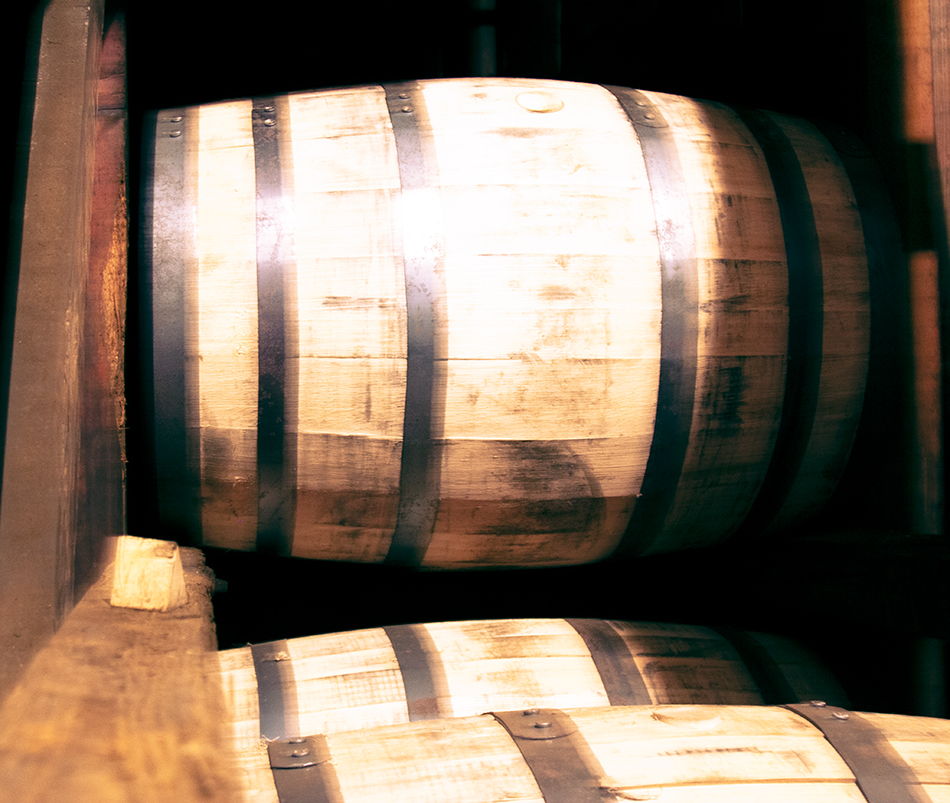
509	323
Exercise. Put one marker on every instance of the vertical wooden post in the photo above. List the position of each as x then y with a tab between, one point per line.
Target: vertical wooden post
940	71
62	480
926	218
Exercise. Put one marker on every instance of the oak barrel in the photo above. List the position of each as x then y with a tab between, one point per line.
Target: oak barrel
673	754
383	676
498	322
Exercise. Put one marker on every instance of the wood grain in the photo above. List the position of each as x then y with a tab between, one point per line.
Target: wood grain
119	707
846	321
547	338
62	447
347	681
683	753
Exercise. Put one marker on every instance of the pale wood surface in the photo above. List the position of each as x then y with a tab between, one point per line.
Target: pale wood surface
148	575
547	340
681	753
118	707
351	680
225	294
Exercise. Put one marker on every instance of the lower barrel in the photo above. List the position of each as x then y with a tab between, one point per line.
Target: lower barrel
673	754
407	673
499	322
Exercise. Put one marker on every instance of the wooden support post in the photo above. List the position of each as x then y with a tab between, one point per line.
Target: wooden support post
927	234
62	487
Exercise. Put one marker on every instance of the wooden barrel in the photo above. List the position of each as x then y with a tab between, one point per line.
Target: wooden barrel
391	675
498	322
673	754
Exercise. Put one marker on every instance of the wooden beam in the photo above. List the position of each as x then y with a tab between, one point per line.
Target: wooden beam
62	490
118	706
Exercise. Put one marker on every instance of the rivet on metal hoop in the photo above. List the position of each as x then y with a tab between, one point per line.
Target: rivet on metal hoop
841	715
406	109
270	122
175	134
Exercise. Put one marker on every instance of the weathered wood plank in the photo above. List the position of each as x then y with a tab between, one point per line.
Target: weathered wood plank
46	558
118	707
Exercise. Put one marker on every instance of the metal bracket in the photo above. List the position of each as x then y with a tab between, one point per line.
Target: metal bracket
536	724
291	754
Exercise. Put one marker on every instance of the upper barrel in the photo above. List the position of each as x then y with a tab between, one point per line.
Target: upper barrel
498	322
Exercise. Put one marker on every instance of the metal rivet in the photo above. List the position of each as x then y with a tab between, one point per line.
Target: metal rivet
175	134
177	119
270	122
268	109
841	715
530	712
818	703
641	103
650	116
542	724
300	752
404	96
406	109
297	740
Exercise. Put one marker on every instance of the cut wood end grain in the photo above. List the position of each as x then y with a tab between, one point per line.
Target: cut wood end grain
148	575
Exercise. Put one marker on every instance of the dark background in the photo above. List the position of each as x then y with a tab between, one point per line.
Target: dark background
870	603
